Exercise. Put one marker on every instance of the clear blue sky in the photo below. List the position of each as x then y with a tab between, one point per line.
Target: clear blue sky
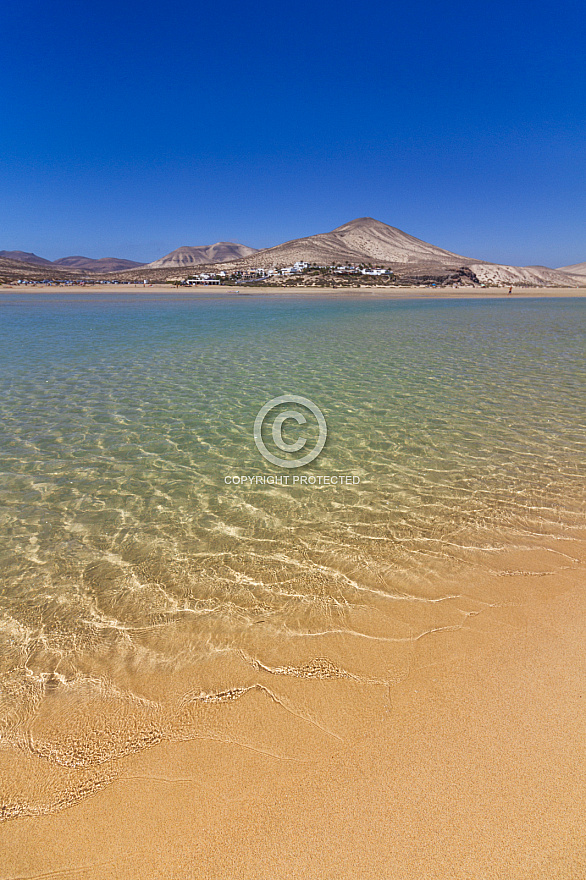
128	129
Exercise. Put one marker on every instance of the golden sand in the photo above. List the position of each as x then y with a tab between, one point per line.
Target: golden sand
471	766
382	292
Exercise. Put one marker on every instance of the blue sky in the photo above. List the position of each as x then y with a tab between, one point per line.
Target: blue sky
129	129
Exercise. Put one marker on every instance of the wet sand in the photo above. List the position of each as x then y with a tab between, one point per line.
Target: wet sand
471	767
243	290
385	691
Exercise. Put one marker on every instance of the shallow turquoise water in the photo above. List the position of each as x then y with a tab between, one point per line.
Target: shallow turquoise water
126	554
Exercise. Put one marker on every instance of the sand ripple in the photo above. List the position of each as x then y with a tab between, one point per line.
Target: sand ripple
143	599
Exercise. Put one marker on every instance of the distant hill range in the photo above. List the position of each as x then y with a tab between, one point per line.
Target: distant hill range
23	257
362	241
200	255
369	241
13	270
106	264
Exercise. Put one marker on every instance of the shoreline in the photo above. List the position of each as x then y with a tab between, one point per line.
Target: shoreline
422	293
391	688
473	765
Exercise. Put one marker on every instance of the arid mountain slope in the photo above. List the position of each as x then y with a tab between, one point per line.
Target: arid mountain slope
361	241
576	269
525	276
23	257
199	255
13	270
85	264
364	240
105	264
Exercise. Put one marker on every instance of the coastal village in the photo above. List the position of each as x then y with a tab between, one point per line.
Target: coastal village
300	271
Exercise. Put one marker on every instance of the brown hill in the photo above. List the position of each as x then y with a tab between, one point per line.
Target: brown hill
364	240
105	264
13	270
24	257
84	264
199	255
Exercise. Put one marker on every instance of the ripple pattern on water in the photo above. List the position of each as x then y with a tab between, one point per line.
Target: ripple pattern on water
141	596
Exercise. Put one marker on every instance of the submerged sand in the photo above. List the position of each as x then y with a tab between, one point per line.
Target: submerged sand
398	698
472	765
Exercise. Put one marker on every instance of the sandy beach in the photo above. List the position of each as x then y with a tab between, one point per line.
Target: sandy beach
473	768
383	293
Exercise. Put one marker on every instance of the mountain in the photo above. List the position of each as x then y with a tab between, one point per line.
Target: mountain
524	276
23	257
13	270
105	264
364	240
186	256
576	269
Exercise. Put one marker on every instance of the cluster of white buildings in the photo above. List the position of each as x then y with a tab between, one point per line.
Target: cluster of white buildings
356	270
295	269
249	275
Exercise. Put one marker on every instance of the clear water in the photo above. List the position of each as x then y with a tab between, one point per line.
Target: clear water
137	583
